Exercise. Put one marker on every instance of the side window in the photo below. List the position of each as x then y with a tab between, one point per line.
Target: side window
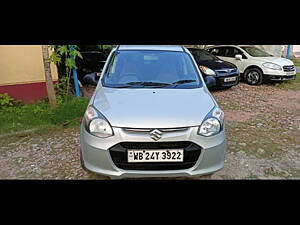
229	52
218	51
232	52
196	56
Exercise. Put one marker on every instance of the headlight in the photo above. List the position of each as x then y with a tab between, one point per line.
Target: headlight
219	114
213	123
96	124
100	127
272	66
207	71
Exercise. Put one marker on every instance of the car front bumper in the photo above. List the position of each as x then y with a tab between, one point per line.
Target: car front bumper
97	158
221	81
268	77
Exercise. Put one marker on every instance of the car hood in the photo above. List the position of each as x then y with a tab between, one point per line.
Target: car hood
153	108
277	60
217	64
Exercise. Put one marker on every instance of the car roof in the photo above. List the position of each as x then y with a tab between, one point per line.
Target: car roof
176	48
200	49
213	46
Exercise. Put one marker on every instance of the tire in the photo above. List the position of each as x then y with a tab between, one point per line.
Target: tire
253	76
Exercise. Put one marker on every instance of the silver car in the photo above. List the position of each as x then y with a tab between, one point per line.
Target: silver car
152	115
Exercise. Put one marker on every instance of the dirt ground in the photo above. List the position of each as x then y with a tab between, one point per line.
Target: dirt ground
262	125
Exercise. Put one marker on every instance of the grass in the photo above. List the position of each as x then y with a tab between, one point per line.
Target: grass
252	177
296	61
41	116
291	84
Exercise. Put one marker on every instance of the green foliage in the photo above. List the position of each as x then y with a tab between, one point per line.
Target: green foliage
55	58
107	47
41	115
66	54
70	63
61	88
7	101
296	61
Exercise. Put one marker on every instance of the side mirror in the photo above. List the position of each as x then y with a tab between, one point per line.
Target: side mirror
238	57
210	81
91	79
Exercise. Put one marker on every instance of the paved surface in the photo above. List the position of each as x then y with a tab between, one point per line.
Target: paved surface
262	125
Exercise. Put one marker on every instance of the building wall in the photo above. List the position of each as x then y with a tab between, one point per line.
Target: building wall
294	52
22	72
297	50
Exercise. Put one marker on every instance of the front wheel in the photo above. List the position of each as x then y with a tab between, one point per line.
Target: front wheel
253	76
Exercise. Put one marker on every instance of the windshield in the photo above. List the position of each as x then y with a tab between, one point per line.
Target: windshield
151	69
256	52
202	55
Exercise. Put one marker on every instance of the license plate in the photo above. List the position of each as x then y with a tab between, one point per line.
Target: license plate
230	79
174	155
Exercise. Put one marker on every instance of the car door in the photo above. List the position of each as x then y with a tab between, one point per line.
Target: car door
230	53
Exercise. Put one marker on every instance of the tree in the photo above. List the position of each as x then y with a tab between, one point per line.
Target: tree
48	77
66	55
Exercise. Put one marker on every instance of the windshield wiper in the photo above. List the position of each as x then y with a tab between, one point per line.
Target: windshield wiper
157	84
148	84
184	81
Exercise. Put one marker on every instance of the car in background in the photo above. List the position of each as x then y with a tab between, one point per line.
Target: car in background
226	74
93	60
256	66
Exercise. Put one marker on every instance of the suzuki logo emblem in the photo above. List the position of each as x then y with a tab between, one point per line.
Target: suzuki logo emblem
155	134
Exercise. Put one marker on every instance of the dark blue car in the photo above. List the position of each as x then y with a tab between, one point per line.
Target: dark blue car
225	73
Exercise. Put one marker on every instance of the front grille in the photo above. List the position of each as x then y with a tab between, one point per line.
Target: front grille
148	130
155	145
223	71
118	154
288	68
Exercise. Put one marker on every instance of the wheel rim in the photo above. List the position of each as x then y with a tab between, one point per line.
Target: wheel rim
253	77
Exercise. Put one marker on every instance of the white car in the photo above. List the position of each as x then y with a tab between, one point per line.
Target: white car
255	65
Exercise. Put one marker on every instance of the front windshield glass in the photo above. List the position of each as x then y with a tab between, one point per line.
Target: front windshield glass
256	52
151	69
202	55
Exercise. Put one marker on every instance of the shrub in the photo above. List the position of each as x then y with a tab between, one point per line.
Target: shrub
7	101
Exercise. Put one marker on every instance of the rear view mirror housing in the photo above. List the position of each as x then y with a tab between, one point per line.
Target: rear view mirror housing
91	79
238	57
